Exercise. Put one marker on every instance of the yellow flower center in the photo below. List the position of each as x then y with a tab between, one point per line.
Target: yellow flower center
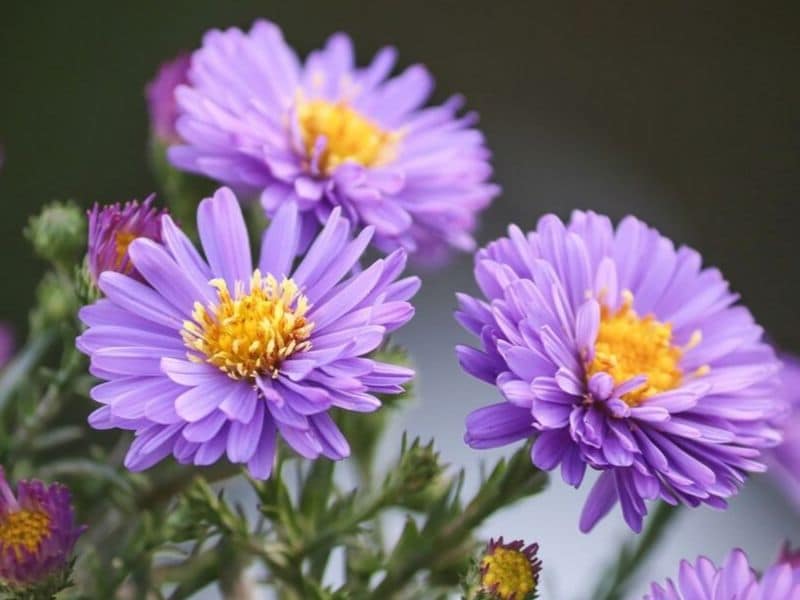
123	240
349	136
507	572
23	529
629	345
250	332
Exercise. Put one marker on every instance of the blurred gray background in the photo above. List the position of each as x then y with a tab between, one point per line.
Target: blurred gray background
687	117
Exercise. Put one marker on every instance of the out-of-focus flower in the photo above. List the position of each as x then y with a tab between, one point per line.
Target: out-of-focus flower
510	571
160	94
615	350
784	461
37	533
734	580
326	133
113	227
789	557
6	344
215	356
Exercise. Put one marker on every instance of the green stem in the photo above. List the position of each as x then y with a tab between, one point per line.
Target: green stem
194	575
332	535
49	405
17	371
618	576
450	537
167	488
510	481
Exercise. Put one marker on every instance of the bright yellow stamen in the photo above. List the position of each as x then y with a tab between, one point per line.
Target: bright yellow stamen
628	345
507	572
350	137
123	240
23	529
251	332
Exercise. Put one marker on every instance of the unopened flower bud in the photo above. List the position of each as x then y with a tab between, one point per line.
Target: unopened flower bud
58	233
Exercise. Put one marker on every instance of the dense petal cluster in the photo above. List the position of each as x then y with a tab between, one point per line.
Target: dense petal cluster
112	228
510	571
326	133
784	460
734	580
160	94
213	356
614	349
37	531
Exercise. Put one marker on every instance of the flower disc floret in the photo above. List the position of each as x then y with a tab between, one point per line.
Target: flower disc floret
251	332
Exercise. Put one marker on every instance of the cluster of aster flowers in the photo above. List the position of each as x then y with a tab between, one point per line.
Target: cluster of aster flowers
612	349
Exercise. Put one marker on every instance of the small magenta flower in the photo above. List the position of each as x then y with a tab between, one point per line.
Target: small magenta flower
112	228
784	460
790	557
37	532
734	580
218	355
510	571
326	133
617	351
6	344
160	94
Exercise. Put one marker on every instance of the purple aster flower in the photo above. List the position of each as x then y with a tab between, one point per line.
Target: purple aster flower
37	531
784	461
160	94
734	580
615	350
112	228
510	571
326	133
216	356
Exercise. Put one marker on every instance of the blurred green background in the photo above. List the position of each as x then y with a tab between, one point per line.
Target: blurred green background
697	112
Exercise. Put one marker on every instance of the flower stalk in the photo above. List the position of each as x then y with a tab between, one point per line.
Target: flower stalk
617	577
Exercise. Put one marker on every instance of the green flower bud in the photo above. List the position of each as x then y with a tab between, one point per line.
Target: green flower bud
417	473
58	233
